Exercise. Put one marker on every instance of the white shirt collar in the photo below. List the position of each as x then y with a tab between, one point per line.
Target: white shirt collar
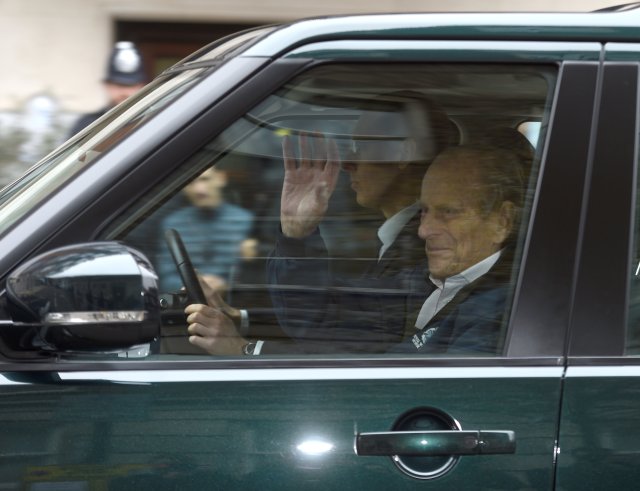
470	274
391	228
446	290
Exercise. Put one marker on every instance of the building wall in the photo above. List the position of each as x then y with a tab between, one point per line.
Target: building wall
60	47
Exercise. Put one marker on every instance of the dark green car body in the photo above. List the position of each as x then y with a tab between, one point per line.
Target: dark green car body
564	389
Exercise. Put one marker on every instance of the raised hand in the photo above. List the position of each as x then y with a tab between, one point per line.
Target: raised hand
308	184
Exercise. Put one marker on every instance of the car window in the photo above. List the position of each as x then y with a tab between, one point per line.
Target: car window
404	194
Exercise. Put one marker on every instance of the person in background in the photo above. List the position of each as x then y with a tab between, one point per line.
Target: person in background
125	76
215	233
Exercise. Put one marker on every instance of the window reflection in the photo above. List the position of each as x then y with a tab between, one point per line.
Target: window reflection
373	133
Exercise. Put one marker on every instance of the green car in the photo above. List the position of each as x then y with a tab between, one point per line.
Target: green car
378	252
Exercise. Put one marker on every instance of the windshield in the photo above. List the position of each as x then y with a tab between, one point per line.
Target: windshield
22	196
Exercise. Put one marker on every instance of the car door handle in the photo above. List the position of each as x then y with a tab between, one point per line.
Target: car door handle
432	443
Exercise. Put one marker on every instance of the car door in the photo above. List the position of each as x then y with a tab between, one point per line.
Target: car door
178	420
599	425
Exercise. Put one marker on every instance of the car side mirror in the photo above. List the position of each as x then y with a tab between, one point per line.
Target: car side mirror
98	297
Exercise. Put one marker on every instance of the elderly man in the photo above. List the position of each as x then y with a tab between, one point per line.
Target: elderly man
471	199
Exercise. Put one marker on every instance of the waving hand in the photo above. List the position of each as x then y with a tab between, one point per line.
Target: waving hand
309	182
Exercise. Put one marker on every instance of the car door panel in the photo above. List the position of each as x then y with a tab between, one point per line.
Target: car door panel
251	433
600	424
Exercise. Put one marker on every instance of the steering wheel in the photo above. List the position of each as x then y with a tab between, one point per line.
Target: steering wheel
185	267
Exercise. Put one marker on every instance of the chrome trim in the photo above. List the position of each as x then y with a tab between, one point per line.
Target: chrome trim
406	469
105	316
308	374
604	371
543	50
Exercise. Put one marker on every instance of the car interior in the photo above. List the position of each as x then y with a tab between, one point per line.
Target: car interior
504	106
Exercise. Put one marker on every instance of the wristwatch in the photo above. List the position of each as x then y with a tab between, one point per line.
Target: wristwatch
248	348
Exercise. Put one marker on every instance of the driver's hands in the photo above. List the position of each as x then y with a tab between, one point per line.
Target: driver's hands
308	184
211	293
213	331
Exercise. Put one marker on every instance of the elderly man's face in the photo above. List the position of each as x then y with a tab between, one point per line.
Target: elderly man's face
457	232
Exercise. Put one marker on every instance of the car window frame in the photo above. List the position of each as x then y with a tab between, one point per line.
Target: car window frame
603	275
169	155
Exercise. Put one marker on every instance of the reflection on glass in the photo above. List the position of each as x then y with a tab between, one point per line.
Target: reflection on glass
373	132
315	448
